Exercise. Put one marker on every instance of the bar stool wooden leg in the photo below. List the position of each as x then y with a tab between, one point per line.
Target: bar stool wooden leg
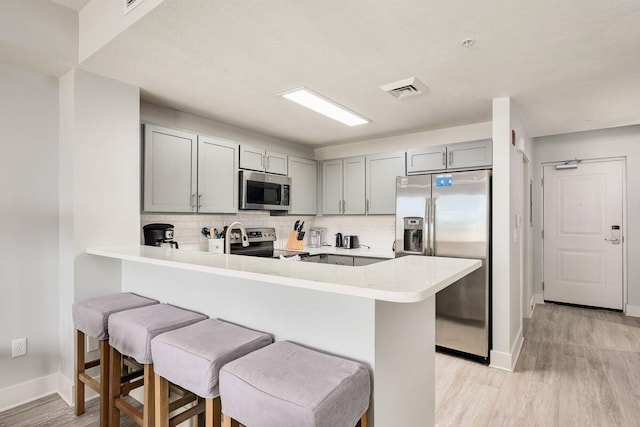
104	383
80	350
162	401
149	397
229	422
202	418
213	412
363	421
115	372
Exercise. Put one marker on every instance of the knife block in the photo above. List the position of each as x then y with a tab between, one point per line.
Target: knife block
293	244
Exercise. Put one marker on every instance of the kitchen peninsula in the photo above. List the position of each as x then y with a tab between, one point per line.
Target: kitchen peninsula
382	314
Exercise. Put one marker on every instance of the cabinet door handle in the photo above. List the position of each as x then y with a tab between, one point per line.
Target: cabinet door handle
444	158
199	200
344	206
367	206
268	162
339	206
450	158
193	201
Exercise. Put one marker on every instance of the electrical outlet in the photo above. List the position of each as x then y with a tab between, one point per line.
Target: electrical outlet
19	347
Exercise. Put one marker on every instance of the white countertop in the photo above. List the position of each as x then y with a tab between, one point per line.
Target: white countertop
407	279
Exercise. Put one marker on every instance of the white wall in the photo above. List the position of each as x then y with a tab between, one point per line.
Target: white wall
507	190
29	213
38	35
407	141
175	119
99	191
604	143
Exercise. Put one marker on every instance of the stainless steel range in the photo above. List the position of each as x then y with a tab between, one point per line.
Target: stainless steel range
260	244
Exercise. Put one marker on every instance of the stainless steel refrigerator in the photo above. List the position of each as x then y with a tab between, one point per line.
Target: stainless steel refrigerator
449	215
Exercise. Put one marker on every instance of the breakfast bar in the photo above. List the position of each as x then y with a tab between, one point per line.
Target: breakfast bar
381	315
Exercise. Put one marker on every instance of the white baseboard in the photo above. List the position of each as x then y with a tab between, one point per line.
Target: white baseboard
538	298
632	310
67	389
28	391
507	361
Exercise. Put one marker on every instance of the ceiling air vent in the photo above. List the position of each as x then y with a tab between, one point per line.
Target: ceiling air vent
405	88
129	5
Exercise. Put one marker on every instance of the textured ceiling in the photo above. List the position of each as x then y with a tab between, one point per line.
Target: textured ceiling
72	4
569	65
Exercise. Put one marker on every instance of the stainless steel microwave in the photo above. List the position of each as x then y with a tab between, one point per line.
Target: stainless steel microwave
264	191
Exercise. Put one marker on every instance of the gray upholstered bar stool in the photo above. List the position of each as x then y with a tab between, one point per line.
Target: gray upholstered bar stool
191	357
90	318
285	385
130	334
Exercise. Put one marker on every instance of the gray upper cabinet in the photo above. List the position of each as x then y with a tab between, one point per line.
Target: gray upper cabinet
304	183
427	159
261	160
354	202
184	172
217	183
343	186
276	163
464	155
381	173
332	187
470	154
170	162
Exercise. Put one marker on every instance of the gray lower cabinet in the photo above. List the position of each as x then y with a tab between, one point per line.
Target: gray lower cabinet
359	261
185	172
356	261
339	259
304	183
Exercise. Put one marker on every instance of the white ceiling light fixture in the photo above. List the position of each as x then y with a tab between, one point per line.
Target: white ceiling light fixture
323	105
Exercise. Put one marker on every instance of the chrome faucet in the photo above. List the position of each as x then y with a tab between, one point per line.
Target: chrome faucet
243	232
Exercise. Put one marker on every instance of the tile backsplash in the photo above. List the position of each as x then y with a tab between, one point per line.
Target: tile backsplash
375	231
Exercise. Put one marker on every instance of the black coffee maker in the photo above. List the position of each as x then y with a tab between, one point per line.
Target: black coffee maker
159	235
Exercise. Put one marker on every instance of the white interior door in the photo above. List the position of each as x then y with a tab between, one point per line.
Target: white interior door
582	249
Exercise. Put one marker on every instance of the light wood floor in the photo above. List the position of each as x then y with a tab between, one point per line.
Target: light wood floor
578	367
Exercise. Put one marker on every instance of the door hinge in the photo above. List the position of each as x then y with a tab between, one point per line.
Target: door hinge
542	286
542	233
542	182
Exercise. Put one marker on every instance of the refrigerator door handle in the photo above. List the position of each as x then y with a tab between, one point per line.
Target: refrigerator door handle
427	243
432	225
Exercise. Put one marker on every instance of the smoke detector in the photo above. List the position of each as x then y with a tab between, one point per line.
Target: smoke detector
405	88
